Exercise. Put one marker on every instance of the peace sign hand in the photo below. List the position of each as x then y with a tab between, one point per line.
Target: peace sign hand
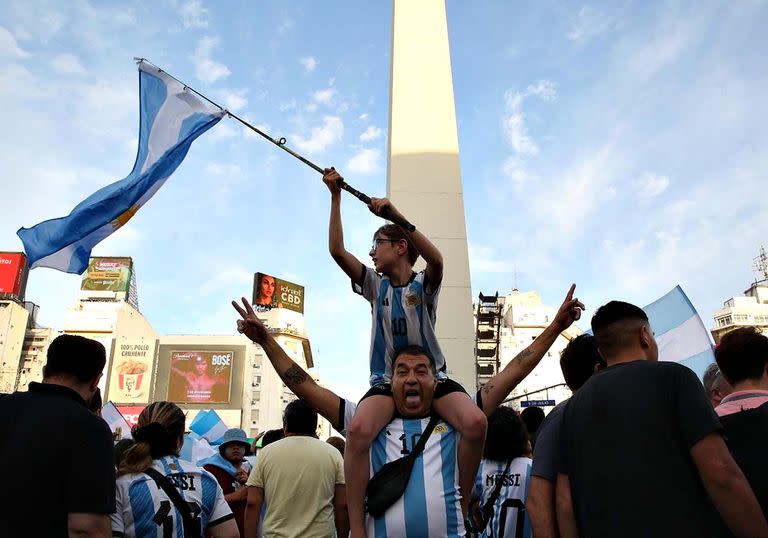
251	326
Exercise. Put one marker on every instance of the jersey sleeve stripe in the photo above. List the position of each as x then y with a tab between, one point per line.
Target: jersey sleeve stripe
142	508
220	520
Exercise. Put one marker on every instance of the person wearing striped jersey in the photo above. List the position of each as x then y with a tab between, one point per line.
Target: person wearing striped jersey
143	508
404	310
339	412
506	467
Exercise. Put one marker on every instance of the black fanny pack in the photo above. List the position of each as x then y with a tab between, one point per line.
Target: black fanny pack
389	483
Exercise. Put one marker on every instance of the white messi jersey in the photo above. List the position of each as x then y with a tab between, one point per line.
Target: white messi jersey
402	316
144	510
431	505
510	517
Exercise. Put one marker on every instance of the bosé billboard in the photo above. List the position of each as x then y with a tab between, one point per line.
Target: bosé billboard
200	376
271	292
13	274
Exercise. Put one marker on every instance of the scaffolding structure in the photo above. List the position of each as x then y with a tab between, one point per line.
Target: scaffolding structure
488	318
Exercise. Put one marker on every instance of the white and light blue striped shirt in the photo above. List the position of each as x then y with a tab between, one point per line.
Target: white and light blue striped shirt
430	506
510	517
402	316
144	510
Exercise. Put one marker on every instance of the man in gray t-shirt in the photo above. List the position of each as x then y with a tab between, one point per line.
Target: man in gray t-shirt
578	362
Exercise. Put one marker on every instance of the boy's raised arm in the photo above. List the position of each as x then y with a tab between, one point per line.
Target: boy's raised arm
426	248
346	260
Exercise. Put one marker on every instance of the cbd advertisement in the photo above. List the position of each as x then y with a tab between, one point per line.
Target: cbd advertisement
270	292
200	376
107	274
130	380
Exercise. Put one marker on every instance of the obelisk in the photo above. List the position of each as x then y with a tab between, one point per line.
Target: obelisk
423	172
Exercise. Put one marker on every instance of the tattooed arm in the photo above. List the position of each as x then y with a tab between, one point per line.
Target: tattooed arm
498	388
322	400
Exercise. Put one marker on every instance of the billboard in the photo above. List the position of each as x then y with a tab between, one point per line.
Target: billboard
107	274
270	292
13	274
200	376
130	378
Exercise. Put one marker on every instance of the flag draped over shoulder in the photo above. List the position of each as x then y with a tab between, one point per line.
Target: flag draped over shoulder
680	333
171	118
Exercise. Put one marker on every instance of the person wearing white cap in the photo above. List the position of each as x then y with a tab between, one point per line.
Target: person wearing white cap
226	467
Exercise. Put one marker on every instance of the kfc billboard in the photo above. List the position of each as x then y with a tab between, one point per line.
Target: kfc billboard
130	379
200	376
270	292
13	274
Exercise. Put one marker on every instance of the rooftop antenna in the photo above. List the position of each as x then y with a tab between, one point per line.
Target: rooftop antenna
760	264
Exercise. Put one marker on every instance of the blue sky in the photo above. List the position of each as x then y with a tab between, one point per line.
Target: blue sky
619	145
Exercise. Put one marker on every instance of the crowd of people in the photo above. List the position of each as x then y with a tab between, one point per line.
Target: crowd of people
642	448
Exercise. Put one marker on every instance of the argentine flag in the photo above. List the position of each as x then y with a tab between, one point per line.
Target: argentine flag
171	118
196	448
209	426
117	424
680	333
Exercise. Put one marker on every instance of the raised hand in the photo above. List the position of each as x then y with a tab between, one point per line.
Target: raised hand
379	206
331	179
250	325
569	311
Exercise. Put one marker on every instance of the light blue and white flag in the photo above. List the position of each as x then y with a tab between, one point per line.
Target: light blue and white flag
196	448
208	425
680	333
117	423
171	118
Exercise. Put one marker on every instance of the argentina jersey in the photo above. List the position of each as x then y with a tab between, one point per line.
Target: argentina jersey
510	517
402	316
144	510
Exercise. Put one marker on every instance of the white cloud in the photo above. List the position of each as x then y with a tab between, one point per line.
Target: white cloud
233	100
651	185
371	133
193	14
207	69
67	64
365	161
589	23
514	169
514	125
309	63
484	260
221	131
544	89
9	47
363	117
287	105
224	170
321	137
285	25
324	96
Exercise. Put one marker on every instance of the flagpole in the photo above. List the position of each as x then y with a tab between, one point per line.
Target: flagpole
280	143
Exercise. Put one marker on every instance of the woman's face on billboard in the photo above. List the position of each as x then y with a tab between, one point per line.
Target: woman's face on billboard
267	288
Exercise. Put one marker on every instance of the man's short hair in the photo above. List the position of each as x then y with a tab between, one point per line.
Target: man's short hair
414	350
507	436
578	360
299	418
742	354
75	356
614	325
396	233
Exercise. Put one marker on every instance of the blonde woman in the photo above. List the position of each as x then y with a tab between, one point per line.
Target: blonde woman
157	493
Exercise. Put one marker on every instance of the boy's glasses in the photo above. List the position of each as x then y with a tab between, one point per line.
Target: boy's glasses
377	242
